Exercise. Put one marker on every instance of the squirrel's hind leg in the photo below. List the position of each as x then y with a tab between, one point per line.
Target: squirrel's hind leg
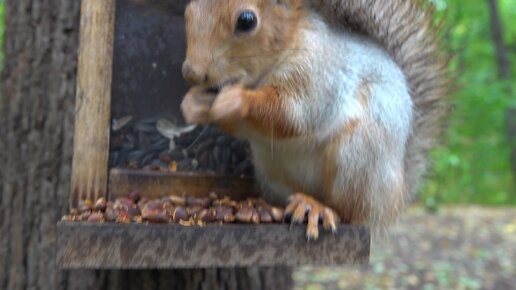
301	205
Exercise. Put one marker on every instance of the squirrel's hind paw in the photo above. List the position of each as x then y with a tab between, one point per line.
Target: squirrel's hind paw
302	205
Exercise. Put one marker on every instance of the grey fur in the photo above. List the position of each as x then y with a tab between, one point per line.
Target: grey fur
405	29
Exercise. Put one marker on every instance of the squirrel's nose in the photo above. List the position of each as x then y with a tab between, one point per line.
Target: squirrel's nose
194	75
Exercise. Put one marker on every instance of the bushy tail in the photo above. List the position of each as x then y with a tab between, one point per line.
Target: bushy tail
405	29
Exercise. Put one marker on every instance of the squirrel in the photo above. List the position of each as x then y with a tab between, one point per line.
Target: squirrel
340	100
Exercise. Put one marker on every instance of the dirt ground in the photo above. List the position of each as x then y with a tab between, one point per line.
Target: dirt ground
457	248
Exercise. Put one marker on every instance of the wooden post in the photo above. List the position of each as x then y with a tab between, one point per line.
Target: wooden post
93	101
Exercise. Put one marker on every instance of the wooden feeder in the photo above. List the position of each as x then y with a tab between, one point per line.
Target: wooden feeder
129	65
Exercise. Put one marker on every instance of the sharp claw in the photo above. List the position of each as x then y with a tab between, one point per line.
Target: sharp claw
312	233
291	207
333	228
298	207
288	213
312	229
299	214
310	237
329	220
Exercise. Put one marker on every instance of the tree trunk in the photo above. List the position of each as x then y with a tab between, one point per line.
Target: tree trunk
504	66
504	72
36	117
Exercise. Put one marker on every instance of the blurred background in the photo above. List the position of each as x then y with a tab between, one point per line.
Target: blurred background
461	232
474	164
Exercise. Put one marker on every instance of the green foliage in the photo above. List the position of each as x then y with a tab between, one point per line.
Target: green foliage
473	164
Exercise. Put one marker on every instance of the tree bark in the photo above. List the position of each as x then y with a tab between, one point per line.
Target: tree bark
502	56
37	117
504	72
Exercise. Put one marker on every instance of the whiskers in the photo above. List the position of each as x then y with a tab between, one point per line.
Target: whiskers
198	137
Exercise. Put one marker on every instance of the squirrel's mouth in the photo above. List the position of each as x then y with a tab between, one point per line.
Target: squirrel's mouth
215	89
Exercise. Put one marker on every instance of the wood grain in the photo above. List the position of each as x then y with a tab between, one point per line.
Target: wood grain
160	184
93	100
169	246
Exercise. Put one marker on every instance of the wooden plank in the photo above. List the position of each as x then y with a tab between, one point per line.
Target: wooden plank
159	184
141	246
93	101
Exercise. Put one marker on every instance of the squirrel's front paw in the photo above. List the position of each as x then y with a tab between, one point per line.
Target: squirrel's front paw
196	106
301	204
229	107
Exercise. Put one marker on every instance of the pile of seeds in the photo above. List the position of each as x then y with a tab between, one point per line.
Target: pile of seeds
184	210
160	145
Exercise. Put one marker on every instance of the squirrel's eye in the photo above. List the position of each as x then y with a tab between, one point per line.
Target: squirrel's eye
246	21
